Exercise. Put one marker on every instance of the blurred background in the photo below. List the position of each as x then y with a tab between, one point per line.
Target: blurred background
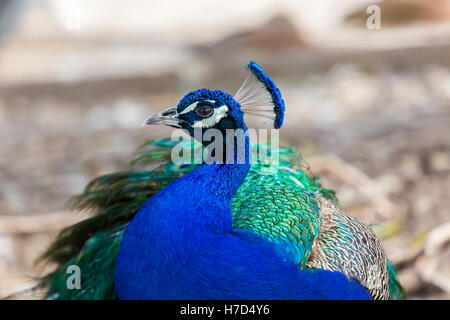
368	109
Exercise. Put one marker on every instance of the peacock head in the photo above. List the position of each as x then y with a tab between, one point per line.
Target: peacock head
214	109
202	109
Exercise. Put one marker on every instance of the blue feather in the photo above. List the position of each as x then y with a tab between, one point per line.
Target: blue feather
279	107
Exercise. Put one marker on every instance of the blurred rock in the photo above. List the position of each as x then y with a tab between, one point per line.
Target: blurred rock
440	161
277	34
410	280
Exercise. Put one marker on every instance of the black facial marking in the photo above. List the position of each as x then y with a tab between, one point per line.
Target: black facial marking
169	113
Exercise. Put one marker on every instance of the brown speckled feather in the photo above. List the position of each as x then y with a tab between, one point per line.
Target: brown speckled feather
347	245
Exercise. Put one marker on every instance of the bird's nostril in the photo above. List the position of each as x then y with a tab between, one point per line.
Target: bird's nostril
168	113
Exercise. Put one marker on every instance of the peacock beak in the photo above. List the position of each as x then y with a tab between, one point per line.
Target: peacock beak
167	117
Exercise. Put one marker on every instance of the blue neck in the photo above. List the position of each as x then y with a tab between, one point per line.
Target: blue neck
209	189
207	192
198	202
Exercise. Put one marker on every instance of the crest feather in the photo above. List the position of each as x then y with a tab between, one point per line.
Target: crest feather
259	96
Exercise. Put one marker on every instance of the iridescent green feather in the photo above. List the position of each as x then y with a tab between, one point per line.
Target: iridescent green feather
96	261
278	209
396	290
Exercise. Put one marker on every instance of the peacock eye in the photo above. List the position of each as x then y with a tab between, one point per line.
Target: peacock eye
204	110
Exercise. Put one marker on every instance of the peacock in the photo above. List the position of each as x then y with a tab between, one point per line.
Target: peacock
225	224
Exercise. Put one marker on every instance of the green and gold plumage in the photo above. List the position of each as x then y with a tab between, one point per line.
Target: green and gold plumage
280	202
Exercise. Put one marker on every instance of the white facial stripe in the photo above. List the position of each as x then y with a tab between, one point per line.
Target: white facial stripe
191	107
211	121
